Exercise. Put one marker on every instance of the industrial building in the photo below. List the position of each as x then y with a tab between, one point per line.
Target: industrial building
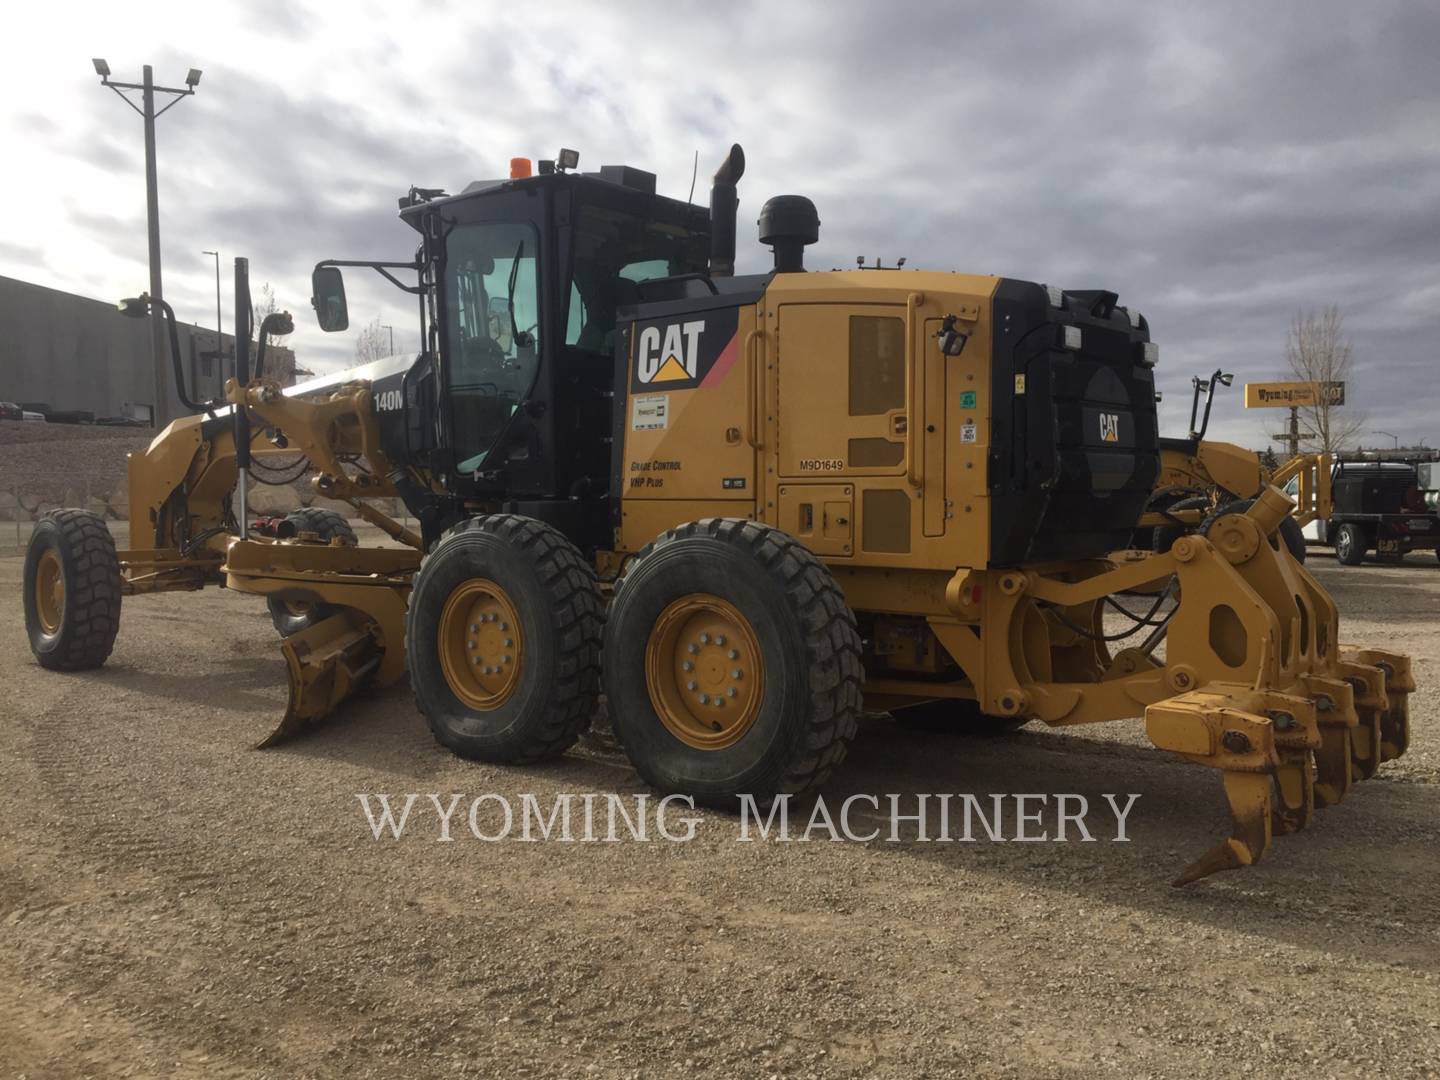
80	358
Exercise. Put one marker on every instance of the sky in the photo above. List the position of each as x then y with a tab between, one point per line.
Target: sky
1221	166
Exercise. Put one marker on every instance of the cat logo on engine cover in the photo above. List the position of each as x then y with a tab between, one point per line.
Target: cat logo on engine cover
684	351
1109	427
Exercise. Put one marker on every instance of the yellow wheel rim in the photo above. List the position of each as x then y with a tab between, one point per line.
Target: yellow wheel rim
704	672
50	591
297	607
481	648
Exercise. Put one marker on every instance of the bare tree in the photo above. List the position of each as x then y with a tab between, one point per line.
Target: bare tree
372	344
1318	351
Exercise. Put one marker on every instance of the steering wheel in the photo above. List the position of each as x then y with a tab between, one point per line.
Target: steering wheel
484	352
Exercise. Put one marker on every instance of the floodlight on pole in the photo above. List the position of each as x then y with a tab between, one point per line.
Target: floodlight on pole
148	112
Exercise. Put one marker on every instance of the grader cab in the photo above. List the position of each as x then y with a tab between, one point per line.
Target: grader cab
755	502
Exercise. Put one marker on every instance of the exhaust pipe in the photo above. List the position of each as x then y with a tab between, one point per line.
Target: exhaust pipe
724	203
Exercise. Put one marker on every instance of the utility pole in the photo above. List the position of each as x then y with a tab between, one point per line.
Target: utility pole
219	322
148	89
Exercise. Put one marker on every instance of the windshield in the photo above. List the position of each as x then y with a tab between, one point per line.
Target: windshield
613	251
491	333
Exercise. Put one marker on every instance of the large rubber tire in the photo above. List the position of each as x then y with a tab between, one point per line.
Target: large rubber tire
72	549
956	717
293	614
1164	537
1294	538
557	603
1350	544
809	660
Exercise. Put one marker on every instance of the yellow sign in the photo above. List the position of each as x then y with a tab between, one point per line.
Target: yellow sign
1291	395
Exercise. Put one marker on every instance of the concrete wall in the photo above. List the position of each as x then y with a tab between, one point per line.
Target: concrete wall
74	353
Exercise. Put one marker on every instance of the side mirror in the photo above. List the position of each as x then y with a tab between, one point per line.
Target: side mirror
327	286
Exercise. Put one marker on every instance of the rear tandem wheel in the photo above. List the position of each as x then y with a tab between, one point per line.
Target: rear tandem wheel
503	640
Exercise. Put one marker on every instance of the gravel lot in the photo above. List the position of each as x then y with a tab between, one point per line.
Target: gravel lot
174	903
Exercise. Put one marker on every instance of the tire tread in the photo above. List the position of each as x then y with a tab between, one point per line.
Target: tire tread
836	672
579	612
93	592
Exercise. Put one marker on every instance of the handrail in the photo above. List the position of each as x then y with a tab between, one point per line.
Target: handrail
913	359
752	382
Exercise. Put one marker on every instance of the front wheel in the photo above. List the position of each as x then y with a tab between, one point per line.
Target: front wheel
732	664
1349	545
503	640
72	591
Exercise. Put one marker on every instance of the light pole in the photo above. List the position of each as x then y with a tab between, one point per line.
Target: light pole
219	322
1390	435
392	337
147	110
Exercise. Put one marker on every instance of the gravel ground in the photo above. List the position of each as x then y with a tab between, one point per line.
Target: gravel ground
174	903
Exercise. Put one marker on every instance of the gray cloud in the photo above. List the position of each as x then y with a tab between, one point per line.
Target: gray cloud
1220	166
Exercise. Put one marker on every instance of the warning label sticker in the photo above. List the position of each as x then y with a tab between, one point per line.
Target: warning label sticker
967	399
650	412
967	432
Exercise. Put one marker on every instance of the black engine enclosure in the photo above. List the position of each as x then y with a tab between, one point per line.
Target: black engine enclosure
1074	440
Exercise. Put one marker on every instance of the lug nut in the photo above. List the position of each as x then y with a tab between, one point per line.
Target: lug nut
509	643
704	699
734	654
737	674
719	639
507	660
474	628
470	644
504	626
692	649
704	639
692	685
732	692
687	666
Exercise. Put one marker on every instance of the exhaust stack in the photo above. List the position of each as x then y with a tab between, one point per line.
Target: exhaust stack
723	204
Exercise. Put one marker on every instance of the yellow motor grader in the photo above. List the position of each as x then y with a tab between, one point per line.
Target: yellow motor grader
749	500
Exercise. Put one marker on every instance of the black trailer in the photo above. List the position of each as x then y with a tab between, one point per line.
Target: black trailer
1378	506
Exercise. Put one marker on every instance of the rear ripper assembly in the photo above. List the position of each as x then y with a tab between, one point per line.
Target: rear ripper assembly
745	497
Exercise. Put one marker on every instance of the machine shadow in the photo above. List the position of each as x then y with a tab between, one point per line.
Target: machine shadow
1306	892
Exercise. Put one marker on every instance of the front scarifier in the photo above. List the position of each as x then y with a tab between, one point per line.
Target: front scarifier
1266	692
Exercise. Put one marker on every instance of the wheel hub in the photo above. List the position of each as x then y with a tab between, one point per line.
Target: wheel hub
704	672
50	591
480	644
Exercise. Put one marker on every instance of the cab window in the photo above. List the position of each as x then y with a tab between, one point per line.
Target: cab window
614	251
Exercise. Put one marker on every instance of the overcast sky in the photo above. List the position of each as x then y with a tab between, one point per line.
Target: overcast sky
1220	166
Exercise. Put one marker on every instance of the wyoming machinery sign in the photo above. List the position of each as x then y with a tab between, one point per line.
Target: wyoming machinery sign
1292	395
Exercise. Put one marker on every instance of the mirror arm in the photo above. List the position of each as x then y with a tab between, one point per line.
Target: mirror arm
180	391
381	268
